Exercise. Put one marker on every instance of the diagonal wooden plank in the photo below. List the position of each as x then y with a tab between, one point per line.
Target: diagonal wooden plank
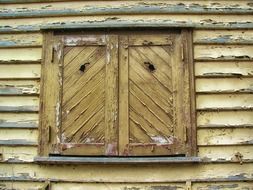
84	108
155	125
163	99
155	108
72	53
76	95
89	55
149	79
164	66
80	79
67	50
87	133
71	130
97	135
160	52
137	133
161	73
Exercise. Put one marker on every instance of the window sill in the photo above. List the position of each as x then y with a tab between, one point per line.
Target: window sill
116	160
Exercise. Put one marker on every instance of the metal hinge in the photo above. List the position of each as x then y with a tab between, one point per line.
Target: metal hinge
182	52
185	134
52	54
49	134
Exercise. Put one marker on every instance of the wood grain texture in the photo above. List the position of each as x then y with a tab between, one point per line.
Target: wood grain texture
83	101
111	96
50	97
123	95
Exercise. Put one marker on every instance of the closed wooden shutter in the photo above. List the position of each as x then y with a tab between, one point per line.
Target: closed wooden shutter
122	94
152	96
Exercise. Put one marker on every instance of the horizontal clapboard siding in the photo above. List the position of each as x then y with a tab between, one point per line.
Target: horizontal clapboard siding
77	8
163	20
222	38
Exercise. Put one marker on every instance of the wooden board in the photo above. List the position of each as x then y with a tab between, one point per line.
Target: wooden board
223	69
223	52
223	186
20	54
47	9
131	173
196	21
20	153
223	37
226	118
222	101
20	40
20	71
221	85
226	153
19	87
11	120
19	134
206	137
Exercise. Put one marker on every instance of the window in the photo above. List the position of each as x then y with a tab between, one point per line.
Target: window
117	94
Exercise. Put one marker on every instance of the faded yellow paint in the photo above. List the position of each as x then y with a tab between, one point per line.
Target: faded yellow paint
223	70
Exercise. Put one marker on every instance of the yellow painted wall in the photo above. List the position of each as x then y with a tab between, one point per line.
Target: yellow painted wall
223	58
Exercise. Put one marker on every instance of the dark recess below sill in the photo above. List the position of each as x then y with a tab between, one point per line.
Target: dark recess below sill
116	160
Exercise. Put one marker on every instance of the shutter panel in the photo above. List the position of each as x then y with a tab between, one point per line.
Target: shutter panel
89	96
151	95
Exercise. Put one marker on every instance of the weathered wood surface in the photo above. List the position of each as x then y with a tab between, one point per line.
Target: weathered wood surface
117	160
221	85
223	186
227	118
225	153
19	104
223	37
19	87
77	8
235	69
223	101
223	52
196	21
20	40
19	134
12	120
7	185
20	54
18	153
131	173
206	137
20	71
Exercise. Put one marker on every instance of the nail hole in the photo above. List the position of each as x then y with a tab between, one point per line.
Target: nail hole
83	67
151	67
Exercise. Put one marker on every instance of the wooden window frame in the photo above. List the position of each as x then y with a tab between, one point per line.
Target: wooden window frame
50	99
